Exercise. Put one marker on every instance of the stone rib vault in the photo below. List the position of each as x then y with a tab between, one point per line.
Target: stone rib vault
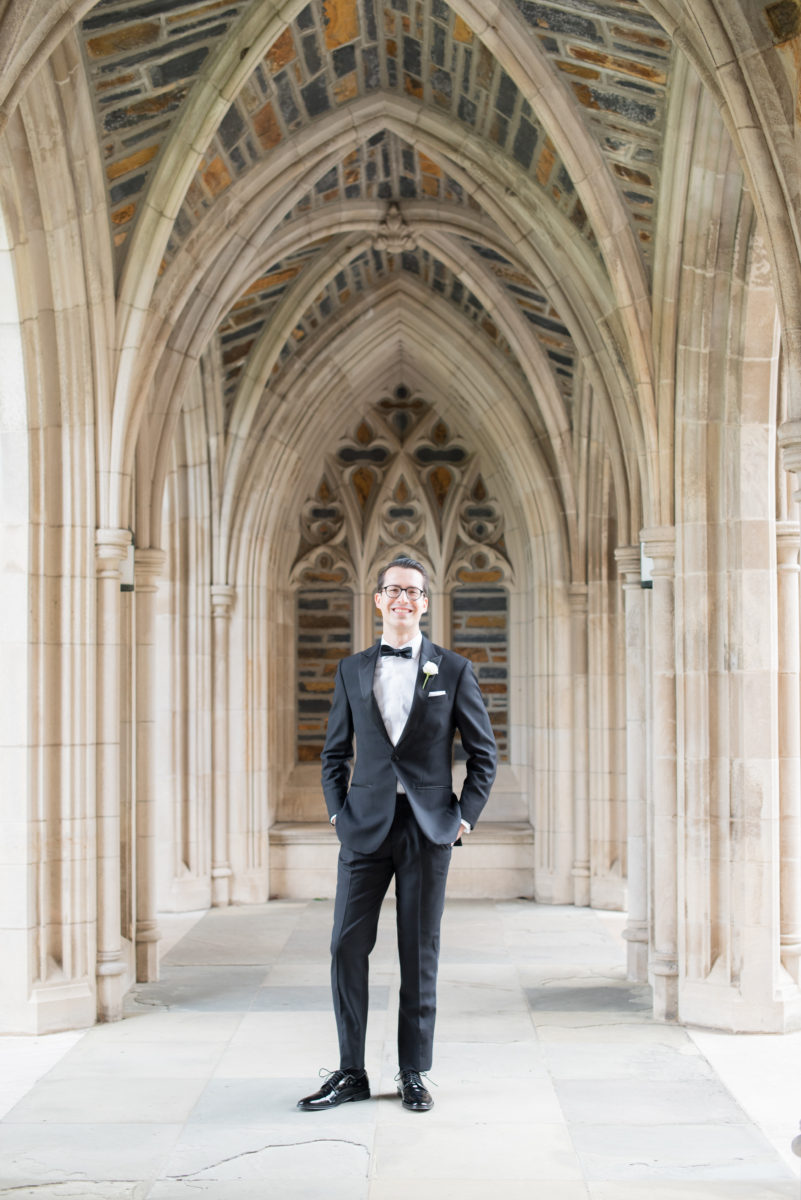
513	285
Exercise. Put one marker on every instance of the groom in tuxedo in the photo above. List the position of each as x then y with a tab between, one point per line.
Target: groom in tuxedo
401	702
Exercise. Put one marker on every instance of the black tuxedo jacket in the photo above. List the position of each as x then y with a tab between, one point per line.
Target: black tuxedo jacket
364	804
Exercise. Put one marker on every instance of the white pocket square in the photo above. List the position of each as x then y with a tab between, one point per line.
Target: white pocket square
431	695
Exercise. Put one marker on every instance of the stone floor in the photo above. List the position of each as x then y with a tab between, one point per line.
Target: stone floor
552	1079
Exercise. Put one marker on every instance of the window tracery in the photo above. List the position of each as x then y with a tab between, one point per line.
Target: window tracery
400	478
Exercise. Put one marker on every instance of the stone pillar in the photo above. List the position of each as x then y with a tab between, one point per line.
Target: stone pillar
111	547
636	931
222	599
581	793
789	749
664	968
787	546
148	565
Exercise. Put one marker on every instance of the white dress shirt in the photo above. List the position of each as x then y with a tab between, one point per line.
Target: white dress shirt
393	687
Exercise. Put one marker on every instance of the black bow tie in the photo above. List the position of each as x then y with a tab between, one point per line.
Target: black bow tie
404	652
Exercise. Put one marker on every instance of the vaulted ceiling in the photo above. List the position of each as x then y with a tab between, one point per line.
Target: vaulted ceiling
144	59
277	172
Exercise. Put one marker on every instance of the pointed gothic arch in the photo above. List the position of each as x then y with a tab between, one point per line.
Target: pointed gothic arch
206	305
401	482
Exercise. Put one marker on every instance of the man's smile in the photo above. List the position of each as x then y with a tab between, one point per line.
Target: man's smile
402	614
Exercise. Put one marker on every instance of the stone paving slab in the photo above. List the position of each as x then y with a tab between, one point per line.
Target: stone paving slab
478	1189
47	1152
692	1152
287	1187
505	1150
268	1151
731	1190
551	1077
674	1103
81	1190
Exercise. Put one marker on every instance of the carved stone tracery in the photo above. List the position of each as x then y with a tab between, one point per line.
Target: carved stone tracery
401	477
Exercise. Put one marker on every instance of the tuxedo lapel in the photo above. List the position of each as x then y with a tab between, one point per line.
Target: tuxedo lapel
367	664
428	653
369	658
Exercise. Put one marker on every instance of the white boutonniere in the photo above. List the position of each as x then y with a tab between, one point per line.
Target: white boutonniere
429	669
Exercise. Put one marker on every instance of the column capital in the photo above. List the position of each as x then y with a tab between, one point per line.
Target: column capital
578	593
665	965
148	566
111	549
660	545
636	931
629	564
788	542
789	437
222	599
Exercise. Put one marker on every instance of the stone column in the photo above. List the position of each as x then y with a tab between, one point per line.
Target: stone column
789	749
148	565
222	599
581	793
636	931
111	547
787	546
664	968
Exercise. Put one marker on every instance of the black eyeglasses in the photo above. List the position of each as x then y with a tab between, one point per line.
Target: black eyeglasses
412	593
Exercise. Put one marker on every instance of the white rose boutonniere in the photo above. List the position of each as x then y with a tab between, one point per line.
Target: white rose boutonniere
429	669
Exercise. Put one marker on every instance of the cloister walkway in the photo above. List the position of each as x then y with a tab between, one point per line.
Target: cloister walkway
552	1078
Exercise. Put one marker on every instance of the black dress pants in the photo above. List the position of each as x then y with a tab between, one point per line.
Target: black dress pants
421	870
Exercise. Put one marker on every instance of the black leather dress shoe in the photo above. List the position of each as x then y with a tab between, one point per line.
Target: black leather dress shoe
413	1094
338	1087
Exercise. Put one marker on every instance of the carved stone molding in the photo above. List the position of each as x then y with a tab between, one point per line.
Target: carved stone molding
629	564
222	600
111	549
394	235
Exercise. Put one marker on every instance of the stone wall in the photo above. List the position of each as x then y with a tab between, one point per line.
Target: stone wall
324	636
480	631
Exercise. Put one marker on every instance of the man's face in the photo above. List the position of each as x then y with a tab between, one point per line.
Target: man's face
401	615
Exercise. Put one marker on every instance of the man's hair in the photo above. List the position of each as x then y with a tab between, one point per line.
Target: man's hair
409	564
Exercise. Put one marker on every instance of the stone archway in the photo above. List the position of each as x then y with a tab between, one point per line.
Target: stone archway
537	222
401	478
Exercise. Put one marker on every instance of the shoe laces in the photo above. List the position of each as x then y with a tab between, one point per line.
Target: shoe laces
330	1076
335	1076
402	1077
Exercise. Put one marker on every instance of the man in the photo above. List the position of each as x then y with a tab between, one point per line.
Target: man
401	701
